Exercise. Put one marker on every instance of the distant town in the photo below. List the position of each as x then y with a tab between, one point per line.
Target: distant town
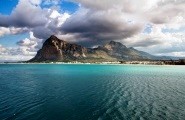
151	62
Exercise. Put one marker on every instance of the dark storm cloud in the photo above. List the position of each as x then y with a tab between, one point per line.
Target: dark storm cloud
42	32
99	27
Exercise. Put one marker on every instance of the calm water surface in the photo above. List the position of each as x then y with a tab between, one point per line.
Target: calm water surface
92	92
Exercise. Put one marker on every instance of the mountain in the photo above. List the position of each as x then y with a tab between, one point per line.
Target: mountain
55	49
121	52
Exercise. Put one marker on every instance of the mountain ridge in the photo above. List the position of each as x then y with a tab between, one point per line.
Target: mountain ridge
55	49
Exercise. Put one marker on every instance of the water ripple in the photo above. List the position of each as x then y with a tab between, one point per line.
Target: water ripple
92	92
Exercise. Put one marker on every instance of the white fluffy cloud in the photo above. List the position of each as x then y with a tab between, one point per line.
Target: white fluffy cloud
11	30
2	50
158	42
27	49
30	46
13	54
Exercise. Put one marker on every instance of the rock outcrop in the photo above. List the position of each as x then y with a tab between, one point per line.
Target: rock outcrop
55	49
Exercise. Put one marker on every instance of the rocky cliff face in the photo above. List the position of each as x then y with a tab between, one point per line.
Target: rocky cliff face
55	49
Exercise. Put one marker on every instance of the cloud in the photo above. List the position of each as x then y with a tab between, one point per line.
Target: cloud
25	14
125	21
29	14
26	42
125	5
35	2
167	13
14	54
55	20
26	49
158	42
99	21
51	2
30	45
11	30
100	26
2	50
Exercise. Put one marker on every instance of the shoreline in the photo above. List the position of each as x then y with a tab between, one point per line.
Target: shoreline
114	63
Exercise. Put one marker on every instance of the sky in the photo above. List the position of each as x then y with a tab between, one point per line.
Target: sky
156	27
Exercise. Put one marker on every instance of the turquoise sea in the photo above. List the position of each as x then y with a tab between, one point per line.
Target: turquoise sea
91	92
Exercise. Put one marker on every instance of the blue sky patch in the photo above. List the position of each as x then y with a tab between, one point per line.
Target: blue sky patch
69	7
181	29
148	29
65	6
11	40
6	6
